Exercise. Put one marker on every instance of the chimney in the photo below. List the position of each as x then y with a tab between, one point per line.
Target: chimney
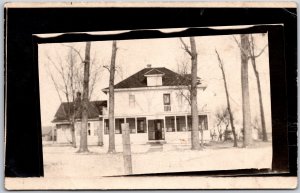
148	65
77	101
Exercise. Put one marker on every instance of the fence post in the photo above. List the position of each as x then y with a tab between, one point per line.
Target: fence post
126	148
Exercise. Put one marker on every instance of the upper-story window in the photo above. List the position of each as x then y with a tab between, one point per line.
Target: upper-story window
131	100
89	129
167	102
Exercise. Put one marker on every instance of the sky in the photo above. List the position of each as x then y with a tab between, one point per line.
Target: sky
134	55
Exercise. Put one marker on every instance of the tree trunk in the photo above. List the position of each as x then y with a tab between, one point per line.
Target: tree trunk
201	131
228	102
85	100
245	48
111	147
262	115
194	109
73	132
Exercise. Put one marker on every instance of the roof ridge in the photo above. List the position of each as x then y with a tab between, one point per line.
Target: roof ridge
139	80
153	70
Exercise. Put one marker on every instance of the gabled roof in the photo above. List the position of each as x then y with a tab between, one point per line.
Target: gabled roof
95	108
139	80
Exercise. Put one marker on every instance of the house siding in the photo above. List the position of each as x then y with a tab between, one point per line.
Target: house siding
64	132
149	103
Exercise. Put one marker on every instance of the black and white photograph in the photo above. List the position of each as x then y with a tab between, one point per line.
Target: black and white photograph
161	105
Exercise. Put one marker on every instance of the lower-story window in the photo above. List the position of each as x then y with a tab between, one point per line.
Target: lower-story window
203	122
118	123
180	123
131	123
170	124
141	125
106	130
189	120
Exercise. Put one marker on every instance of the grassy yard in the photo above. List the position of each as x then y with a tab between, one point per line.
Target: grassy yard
63	161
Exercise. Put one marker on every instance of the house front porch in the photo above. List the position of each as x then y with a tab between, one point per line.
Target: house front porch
153	129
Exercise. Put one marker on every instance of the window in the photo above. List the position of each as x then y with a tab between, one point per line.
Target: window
131	122
141	125
170	124
118	123
181	123
189	119
106	126
203	122
167	102
89	129
167	99
131	100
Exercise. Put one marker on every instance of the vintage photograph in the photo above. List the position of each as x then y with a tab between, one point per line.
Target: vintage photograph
142	106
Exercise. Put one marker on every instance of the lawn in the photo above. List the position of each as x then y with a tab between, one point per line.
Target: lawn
62	161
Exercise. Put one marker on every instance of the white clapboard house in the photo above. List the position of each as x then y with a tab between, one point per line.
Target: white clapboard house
154	102
62	123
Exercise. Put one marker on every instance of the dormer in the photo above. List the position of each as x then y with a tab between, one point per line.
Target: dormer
154	77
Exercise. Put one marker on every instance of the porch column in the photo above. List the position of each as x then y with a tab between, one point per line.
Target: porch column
103	126
165	123
135	119
207	120
186	123
175	122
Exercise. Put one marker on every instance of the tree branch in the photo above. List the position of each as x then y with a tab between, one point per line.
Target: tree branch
106	67
256	56
239	45
78	53
185	47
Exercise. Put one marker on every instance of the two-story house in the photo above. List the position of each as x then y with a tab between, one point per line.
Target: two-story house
155	104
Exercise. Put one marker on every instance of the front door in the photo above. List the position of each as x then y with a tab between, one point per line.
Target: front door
155	131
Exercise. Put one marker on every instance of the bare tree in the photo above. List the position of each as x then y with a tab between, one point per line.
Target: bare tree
245	50
253	57
112	69
85	100
221	65
67	76
65	85
256	126
183	88
192	51
222	118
